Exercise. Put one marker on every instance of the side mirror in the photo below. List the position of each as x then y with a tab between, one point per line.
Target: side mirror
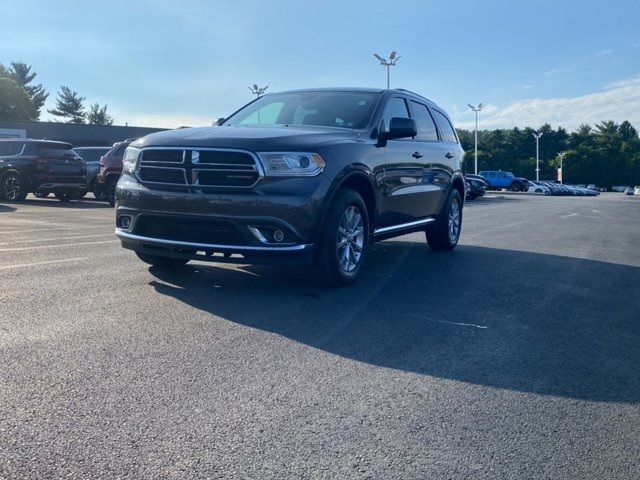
218	121
399	128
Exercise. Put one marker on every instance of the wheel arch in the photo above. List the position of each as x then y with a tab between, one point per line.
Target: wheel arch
361	181
458	183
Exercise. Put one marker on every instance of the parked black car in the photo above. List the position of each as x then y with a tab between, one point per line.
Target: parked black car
91	157
40	166
295	177
477	186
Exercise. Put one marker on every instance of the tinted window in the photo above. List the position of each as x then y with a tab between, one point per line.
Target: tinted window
267	115
54	150
118	150
395	107
448	133
91	154
328	109
426	128
10	148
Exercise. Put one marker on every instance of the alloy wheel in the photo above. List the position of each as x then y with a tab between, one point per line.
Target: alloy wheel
454	220
350	239
12	188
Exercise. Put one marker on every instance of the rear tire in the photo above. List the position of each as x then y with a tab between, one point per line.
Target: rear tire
13	188
344	240
162	262
42	194
444	235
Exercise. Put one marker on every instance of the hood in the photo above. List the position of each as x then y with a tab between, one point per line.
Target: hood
249	138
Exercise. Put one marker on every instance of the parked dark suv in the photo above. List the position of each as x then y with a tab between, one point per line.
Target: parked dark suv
295	177
42	167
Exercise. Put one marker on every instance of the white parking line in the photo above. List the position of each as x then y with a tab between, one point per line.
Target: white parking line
462	324
56	238
6	267
56	246
57	228
569	215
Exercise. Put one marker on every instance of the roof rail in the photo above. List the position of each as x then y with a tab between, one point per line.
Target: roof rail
416	94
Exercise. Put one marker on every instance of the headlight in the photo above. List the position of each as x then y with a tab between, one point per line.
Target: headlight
130	159
291	164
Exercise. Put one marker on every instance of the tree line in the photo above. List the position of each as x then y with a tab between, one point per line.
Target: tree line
22	99
606	154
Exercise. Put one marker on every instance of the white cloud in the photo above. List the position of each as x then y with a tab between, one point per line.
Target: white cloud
603	53
168	120
618	101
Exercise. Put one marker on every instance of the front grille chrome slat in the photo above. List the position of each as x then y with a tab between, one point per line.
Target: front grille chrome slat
198	167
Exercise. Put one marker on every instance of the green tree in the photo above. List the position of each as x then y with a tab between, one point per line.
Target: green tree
98	115
70	105
14	101
21	73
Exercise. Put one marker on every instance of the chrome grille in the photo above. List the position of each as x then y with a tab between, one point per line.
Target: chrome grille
198	167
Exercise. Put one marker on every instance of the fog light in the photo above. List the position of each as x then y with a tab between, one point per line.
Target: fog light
124	221
278	236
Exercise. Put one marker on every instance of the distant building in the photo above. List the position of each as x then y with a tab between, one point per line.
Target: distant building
75	134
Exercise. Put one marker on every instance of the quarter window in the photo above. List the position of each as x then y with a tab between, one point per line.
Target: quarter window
448	133
396	107
427	131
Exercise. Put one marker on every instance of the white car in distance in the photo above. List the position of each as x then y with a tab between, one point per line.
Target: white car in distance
535	187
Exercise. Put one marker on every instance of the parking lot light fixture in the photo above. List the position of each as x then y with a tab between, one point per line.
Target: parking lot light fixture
258	91
393	59
537	137
476	110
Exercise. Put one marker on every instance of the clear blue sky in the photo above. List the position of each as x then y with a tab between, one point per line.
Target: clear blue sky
172	63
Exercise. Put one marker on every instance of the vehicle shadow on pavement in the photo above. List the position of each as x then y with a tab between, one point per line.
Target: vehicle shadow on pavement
6	208
78	204
514	320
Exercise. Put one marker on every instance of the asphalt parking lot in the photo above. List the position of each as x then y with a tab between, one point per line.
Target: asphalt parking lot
515	356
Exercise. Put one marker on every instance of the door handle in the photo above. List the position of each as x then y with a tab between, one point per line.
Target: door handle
449	155
417	155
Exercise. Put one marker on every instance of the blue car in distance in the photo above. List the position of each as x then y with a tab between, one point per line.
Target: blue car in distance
497	180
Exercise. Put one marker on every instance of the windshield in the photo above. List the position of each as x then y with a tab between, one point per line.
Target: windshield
327	109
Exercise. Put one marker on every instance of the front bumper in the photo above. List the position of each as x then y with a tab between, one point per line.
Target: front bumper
223	226
300	254
63	187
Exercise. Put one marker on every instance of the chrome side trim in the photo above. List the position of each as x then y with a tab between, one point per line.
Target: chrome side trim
402	226
208	246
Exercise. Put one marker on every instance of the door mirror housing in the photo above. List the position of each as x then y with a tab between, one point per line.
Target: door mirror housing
399	127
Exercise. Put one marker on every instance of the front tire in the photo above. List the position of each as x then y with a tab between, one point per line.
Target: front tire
13	188
344	240
444	235
110	192
162	262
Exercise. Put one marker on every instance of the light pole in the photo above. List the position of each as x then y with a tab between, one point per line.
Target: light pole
561	155
258	91
537	136
393	58
476	110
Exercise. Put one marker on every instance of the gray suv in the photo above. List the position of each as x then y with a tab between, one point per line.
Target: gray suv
299	177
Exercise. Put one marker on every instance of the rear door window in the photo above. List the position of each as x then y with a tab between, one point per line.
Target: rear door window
427	131
448	133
